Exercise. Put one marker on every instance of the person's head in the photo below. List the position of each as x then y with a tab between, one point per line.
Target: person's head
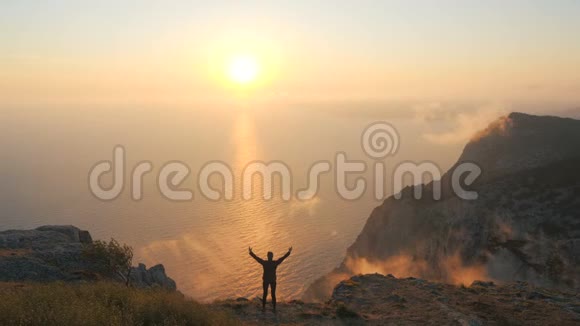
270	255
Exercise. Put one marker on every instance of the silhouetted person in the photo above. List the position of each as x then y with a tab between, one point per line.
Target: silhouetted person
269	276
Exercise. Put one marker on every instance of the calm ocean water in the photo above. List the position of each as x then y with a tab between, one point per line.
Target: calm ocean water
46	156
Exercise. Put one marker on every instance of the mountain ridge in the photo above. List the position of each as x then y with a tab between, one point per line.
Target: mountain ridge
523	227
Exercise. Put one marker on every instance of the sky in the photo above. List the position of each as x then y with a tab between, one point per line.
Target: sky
111	52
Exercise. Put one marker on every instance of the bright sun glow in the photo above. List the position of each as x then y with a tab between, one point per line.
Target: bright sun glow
243	69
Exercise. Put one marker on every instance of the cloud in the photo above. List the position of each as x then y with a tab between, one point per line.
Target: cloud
458	125
307	206
200	282
450	269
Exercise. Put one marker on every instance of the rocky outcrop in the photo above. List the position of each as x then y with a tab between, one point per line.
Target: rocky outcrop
376	299
55	253
417	301
152	277
524	226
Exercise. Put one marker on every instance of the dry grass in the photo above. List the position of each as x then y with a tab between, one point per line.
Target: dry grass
101	304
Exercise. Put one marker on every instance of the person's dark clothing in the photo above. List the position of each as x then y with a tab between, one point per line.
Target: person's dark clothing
269	266
265	294
269	276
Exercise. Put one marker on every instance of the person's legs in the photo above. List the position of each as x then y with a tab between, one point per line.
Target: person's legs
273	286
265	295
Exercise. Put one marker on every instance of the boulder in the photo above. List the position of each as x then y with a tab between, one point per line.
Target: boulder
152	277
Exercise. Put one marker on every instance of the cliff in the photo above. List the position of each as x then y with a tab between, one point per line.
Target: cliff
524	226
55	253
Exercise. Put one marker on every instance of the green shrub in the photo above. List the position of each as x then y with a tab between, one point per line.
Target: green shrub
110	259
102	303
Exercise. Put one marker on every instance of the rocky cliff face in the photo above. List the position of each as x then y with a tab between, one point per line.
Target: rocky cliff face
55	253
524	226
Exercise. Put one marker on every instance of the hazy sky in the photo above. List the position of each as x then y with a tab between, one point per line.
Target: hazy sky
70	52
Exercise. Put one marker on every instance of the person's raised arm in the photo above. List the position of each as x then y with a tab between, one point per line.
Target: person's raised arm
279	261
258	259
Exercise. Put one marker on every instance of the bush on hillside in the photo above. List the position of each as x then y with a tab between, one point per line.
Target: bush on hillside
110	258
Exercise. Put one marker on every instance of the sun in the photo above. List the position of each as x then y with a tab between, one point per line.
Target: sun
243	69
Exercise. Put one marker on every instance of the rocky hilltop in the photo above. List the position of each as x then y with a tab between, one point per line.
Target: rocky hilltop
524	226
520	142
55	253
385	300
